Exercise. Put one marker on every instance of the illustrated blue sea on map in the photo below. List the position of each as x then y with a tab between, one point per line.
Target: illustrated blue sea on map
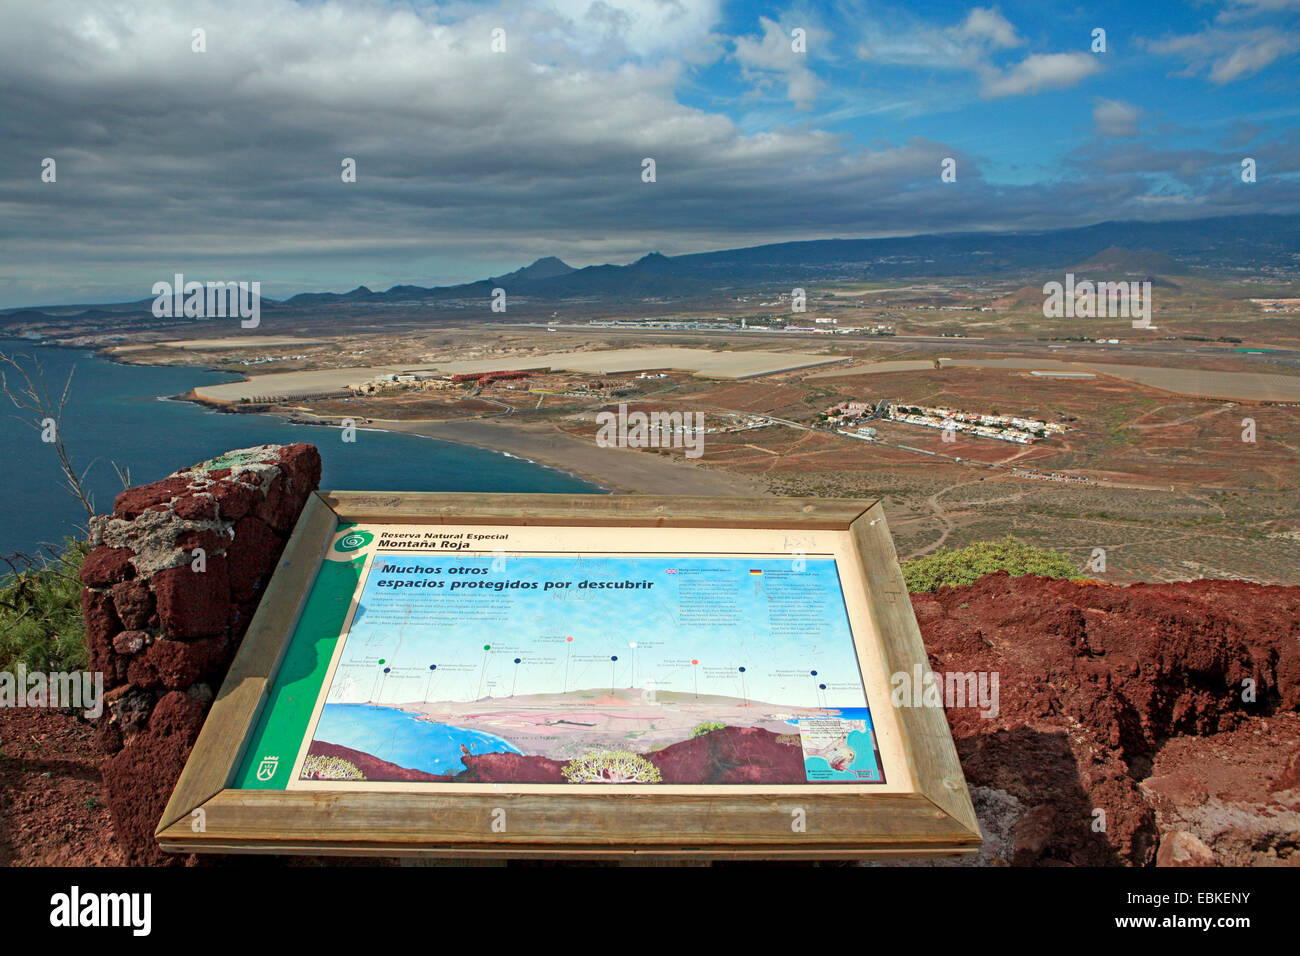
403	739
831	756
604	669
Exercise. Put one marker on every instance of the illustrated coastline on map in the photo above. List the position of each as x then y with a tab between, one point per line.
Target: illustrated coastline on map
630	670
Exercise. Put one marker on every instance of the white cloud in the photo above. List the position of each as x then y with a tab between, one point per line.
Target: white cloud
1039	71
1250	57
229	160
643	28
1228	55
469	162
971	46
991	26
772	56
911	42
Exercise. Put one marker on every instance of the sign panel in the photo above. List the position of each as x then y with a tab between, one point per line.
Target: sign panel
480	655
422	664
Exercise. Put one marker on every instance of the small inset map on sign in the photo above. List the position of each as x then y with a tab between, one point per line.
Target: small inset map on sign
839	748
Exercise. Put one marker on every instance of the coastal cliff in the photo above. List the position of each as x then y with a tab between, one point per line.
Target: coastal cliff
1149	724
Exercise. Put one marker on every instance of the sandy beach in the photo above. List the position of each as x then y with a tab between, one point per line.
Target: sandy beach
623	470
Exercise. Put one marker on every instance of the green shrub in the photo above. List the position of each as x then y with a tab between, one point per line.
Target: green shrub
961	566
706	727
611	766
320	767
40	614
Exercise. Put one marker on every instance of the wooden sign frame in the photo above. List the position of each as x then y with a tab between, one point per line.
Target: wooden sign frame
928	812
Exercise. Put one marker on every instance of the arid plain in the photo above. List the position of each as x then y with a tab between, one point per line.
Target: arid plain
1180	458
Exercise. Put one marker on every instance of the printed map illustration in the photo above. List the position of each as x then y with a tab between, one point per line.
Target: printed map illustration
609	669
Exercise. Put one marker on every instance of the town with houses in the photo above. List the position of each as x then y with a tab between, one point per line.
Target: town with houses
850	418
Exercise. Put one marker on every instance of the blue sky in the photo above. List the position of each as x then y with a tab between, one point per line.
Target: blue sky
604	624
224	163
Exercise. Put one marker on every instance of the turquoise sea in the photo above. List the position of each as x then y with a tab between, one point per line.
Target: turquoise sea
865	766
120	413
400	738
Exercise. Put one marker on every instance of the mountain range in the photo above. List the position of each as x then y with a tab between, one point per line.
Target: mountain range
1223	246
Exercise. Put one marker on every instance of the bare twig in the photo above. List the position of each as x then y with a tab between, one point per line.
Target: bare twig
33	396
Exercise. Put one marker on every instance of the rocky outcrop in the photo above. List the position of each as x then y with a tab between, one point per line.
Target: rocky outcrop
513	768
170	587
732	755
1156	723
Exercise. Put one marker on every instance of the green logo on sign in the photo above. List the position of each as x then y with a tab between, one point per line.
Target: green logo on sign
354	540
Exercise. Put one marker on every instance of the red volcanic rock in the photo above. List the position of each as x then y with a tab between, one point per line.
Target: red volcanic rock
129	709
1180	848
276	507
1289	779
101	624
234	498
372	767
287	492
303	464
170	631
199	538
106	566
251	556
510	768
1033	833
139	778
193	603
174	665
134	502
130	642
196	507
1094	683
134	603
731	755
177	715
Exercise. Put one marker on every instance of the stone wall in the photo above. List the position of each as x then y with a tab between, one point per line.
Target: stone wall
174	578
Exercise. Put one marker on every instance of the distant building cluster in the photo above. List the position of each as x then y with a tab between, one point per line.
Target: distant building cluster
537	381
849	413
1052	476
832	327
1011	428
384	383
1277	305
484	378
820	326
263	359
851	418
664	424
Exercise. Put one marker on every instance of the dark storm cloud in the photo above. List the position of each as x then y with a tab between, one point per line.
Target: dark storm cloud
228	161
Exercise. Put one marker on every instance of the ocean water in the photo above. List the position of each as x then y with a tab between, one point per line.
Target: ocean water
119	413
400	738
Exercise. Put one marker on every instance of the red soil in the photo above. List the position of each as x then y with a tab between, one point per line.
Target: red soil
1101	685
1124	700
53	810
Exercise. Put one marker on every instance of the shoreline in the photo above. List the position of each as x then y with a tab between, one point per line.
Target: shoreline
614	470
611	470
619	470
